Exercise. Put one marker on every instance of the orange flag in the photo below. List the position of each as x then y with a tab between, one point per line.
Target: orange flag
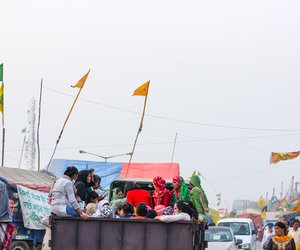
276	157
81	82
142	90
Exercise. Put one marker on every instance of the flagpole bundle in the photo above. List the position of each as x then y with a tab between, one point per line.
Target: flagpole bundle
140	91
38	127
79	85
24	139
2	111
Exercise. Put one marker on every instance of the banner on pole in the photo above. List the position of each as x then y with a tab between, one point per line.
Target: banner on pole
34	205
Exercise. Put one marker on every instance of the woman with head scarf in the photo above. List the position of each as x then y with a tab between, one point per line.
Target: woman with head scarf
198	196
62	194
84	184
161	195
182	212
180	191
281	241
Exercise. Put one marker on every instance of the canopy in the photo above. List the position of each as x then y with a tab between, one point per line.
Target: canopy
38	180
296	208
150	170
109	171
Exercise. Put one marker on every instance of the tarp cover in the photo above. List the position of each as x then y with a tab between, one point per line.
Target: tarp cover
38	180
254	217
108	171
150	170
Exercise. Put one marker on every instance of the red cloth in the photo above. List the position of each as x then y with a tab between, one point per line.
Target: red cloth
177	179
138	218
161	195
164	200
176	192
139	195
6	243
11	206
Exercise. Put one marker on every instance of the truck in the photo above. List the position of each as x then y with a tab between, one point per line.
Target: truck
69	233
121	234
24	238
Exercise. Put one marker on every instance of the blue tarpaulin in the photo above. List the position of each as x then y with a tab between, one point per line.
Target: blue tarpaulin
108	171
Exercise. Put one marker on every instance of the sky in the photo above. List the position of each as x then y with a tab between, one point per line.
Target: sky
224	78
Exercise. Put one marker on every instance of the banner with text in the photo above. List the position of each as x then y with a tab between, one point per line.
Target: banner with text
34	205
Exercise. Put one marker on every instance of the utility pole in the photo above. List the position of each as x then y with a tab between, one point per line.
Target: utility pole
273	195
174	148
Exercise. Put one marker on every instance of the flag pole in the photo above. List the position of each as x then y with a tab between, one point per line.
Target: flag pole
3	141
22	150
3	129
2	111
174	148
138	133
38	127
62	130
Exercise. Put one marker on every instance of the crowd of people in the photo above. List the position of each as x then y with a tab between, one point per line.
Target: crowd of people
282	236
77	194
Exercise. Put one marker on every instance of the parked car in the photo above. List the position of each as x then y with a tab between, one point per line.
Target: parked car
221	238
243	229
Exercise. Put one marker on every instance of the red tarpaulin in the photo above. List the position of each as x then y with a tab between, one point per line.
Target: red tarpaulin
254	217
150	170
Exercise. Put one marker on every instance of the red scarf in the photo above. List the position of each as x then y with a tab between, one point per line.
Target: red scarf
160	190
177	191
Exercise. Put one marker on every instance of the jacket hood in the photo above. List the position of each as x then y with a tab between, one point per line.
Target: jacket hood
195	180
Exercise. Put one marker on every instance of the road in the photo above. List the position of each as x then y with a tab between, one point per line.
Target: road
258	245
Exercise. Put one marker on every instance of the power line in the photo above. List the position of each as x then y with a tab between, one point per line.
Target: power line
177	120
168	142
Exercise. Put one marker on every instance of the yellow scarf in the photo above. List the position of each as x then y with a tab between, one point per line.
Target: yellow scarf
282	239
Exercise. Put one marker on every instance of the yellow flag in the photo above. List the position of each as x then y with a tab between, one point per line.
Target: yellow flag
263	214
261	202
81	82
1	98
142	90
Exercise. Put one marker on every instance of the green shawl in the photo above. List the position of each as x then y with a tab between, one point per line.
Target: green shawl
183	193
198	196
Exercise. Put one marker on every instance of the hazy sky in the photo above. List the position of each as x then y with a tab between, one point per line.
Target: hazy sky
214	66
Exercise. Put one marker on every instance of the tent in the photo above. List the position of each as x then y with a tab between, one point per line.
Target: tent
296	208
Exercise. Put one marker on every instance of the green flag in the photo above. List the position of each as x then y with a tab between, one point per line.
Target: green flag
1	72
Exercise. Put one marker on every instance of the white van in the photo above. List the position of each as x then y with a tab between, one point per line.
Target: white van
243	229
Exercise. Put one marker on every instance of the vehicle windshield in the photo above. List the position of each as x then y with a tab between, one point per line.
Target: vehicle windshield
238	228
218	235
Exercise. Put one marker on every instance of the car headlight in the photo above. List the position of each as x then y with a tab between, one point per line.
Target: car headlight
245	246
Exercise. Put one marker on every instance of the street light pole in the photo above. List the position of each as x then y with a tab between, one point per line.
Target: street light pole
103	157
